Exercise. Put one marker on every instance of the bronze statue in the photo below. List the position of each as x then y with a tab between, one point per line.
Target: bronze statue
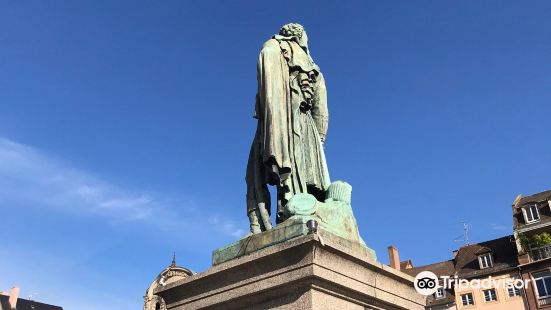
291	108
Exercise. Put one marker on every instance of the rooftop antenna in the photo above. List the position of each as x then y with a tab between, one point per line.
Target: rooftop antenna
31	296
465	236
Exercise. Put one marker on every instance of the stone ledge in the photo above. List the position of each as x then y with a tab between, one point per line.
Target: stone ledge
300	273
290	229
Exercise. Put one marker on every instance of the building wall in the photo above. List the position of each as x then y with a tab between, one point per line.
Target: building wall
504	302
443	307
531	292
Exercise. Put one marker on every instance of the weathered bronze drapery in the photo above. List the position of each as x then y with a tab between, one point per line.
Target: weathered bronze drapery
291	108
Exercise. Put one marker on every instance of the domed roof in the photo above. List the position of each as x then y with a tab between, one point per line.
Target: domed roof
173	273
170	274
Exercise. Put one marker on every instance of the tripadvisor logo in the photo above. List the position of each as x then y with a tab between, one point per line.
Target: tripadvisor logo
426	283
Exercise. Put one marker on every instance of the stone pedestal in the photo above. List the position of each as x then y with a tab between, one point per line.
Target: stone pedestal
306	272
291	228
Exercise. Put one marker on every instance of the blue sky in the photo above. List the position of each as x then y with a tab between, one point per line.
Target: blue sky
125	128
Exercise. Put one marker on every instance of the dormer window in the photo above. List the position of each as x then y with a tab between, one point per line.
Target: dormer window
531	214
440	293
485	261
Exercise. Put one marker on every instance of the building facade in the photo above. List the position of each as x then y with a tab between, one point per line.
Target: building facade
532	230
474	263
523	258
495	260
170	274
11	301
443	299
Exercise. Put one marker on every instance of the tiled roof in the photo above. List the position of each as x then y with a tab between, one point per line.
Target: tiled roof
25	304
465	264
4	304
504	255
543	196
445	268
405	264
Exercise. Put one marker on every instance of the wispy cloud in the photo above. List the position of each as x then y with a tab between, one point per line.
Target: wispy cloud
29	176
32	179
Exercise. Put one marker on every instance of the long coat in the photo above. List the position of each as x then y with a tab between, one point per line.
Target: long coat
291	108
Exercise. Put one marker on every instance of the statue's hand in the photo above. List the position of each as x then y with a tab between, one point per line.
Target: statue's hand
306	105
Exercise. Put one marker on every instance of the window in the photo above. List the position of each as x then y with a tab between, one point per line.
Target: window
513	291
490	295
541	252
485	260
532	214
467	299
440	293
543	283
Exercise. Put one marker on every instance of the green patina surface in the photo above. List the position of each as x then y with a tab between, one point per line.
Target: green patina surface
288	230
292	228
334	216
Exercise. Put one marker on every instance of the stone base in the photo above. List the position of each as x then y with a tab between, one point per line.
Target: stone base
291	228
301	273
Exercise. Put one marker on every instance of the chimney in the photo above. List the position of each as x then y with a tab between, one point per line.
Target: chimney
14	294
454	253
394	259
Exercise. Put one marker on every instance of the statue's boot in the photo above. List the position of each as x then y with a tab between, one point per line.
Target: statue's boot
253	220
265	216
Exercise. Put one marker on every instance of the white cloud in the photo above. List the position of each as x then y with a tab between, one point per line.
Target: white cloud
29	177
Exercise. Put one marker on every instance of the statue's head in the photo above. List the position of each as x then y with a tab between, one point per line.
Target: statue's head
295	30
292	30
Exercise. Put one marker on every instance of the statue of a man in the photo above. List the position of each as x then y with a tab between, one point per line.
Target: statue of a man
291	108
